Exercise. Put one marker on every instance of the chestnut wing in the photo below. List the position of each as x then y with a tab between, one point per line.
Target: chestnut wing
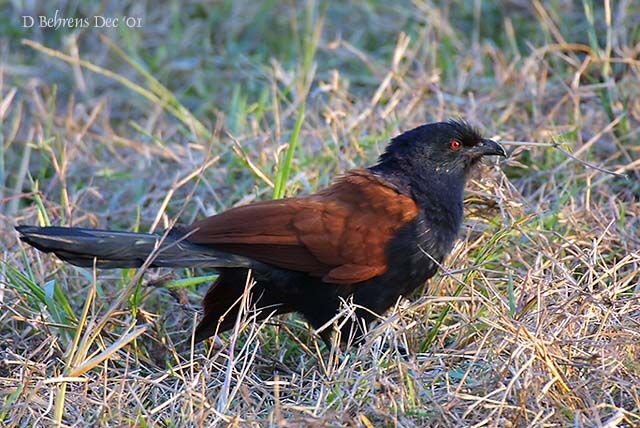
340	233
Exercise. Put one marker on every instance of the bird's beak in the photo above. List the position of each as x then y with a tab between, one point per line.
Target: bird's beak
489	148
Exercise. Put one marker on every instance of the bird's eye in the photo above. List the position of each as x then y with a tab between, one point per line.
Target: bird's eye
455	145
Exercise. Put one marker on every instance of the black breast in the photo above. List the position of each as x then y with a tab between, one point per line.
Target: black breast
413	257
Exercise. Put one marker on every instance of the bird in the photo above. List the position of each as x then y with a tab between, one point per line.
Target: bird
373	236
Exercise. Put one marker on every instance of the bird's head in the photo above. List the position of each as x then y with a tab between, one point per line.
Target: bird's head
450	149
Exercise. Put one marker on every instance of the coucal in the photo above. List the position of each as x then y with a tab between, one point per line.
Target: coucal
374	235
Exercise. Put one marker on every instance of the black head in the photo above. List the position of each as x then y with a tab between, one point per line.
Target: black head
445	148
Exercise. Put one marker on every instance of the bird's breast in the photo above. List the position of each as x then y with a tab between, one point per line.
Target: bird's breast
419	249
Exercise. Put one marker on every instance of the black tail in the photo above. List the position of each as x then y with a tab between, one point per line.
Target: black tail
112	249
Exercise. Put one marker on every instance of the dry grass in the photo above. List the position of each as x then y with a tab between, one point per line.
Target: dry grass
534	319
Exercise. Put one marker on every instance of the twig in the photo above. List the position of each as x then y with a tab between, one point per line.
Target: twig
587	164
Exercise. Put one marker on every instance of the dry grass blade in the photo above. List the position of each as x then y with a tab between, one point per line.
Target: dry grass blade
163	100
84	366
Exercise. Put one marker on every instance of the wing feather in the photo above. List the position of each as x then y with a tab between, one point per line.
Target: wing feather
340	233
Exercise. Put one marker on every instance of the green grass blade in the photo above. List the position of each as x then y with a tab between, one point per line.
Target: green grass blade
188	282
285	167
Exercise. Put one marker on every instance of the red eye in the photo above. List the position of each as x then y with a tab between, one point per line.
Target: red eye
455	145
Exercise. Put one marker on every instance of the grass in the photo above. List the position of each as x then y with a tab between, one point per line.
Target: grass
533	319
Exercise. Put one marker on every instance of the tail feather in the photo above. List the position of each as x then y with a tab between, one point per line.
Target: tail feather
113	249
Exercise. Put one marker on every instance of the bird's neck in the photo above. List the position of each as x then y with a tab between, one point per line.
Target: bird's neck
438	194
393	173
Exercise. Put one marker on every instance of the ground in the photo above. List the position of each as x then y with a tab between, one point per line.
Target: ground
189	109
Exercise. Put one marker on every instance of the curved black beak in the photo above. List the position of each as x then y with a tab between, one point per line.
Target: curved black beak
489	148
